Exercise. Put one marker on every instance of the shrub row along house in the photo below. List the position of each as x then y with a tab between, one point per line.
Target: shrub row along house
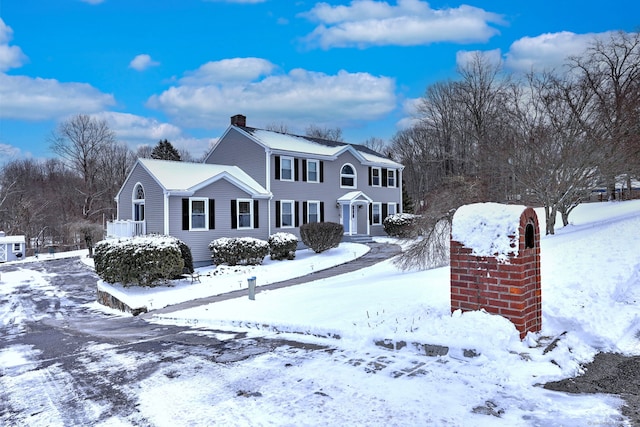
256	182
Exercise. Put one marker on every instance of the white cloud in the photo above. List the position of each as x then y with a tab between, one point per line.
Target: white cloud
10	56
39	99
8	151
410	22
546	51
464	57
301	96
229	70
142	62
131	127
136	131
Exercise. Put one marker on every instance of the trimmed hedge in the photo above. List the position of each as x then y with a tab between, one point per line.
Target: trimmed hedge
142	260
401	225
238	251
283	246
320	236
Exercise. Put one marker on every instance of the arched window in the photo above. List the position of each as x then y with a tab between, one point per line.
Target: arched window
138	202
348	176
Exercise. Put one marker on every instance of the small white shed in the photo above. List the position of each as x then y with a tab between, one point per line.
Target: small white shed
11	247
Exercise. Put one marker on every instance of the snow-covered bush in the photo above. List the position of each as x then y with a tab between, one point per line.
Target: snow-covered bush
400	225
283	246
238	250
320	236
142	260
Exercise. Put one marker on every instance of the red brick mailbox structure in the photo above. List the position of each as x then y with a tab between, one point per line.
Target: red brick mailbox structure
495	263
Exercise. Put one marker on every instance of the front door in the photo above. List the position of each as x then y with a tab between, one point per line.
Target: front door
349	219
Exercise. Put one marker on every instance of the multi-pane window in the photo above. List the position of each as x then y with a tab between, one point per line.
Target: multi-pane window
286	168
375	177
391	209
313	174
376	213
348	176
17	247
245	213
391	178
313	211
138	203
199	214
286	213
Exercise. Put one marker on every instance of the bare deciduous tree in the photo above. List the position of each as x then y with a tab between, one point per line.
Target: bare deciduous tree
80	141
334	134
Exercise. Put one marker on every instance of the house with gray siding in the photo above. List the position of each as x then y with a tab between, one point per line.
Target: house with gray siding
12	248
256	182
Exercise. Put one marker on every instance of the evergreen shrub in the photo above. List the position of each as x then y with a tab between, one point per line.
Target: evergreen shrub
321	236
283	246
141	261
238	251
401	225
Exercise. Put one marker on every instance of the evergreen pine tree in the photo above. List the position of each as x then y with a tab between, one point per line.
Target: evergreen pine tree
165	151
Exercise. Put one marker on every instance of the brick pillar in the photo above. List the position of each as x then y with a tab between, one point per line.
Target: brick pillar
509	287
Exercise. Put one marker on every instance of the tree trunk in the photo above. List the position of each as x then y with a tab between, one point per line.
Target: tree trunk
550	214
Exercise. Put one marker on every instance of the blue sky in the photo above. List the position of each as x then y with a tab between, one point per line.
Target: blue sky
178	69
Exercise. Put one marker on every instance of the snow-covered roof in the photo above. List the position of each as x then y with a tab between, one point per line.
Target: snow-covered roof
353	196
187	177
489	229
4	240
284	142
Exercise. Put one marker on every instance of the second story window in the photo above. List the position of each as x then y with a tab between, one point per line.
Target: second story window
348	176
286	168
375	179
391	178
313	171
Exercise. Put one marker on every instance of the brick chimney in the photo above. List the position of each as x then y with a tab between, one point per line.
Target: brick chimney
239	120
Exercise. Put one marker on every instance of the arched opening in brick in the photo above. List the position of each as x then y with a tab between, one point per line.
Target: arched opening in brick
529	237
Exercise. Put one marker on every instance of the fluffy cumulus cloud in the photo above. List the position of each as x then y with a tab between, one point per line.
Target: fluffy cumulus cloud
266	96
10	56
130	127
366	23
547	51
142	62
228	70
138	131
40	99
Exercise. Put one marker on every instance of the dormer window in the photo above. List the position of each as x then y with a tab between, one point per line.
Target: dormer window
348	176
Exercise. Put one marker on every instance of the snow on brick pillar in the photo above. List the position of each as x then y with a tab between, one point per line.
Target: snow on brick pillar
495	263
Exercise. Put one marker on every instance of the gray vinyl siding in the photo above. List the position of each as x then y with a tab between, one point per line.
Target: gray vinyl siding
238	150
329	191
153	200
222	192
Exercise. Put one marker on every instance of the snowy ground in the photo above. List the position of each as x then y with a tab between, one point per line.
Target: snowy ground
591	292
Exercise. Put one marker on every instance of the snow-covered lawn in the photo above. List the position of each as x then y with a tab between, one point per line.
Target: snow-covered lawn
488	376
591	298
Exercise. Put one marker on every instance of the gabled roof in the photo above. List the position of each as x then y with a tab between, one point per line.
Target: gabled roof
185	178
298	144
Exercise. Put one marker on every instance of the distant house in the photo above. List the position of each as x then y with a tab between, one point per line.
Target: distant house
256	182
11	247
